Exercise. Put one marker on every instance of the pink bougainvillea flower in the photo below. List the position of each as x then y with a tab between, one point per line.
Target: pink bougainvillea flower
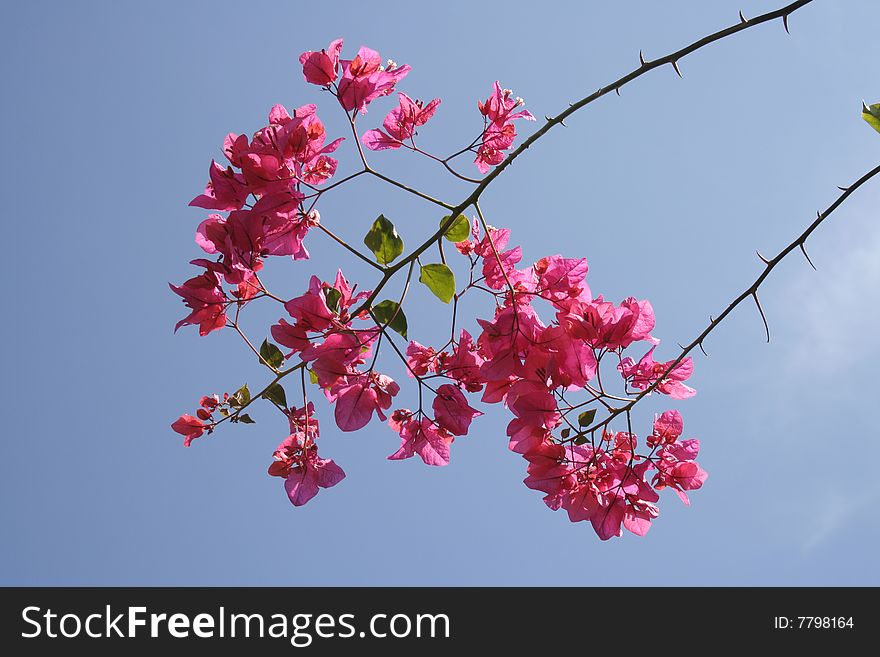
226	190
322	68
667	428
264	168
275	226
464	363
505	338
296	459
238	238
602	324
283	226
646	372
209	403
400	124
560	360
548	471
499	266
533	403
291	336
364	79
500	133
678	469
525	437
358	397
313	310
499	107
204	295
638	516
488	157
207	406
420	359
425	438
334	359
310	309
189	427
452	411
561	279
301	137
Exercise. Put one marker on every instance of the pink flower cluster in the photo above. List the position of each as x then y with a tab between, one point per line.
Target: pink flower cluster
272	167
296	459
264	204
499	133
324	337
530	366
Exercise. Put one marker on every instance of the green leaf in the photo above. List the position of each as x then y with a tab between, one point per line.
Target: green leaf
332	295
313	377
387	312
440	280
871	114
566	433
384	241
580	440
271	354
276	394
460	229
586	418
247	419
241	397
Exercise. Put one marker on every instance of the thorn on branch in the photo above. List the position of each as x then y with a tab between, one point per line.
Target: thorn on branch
763	259
763	316
700	345
675	66
617	90
785	23
806	255
843	189
642	60
742	18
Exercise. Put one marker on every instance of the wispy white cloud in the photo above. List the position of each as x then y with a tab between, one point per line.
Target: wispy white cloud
835	510
826	322
835	312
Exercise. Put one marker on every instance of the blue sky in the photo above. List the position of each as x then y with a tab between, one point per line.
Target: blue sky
113	112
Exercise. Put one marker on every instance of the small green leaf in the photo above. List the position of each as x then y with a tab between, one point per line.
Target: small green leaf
388	312
223	411
332	295
241	397
586	418
566	432
276	394
313	377
271	354
459	230
247	419
440	280
871	114
384	241
580	439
